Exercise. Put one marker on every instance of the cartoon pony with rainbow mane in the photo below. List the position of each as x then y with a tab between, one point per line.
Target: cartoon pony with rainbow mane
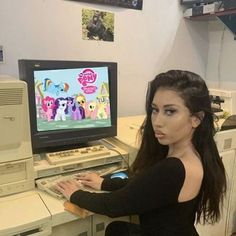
51	87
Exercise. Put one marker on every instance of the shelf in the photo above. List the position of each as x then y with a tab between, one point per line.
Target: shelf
228	17
213	15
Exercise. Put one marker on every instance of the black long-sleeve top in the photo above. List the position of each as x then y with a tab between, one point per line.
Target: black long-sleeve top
152	195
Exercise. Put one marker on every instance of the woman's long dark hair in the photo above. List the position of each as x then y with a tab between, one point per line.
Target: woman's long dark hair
193	90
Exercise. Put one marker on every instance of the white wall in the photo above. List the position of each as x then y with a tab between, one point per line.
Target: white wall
190	48
221	69
146	42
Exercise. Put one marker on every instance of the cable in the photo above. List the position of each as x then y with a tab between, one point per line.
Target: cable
220	55
123	157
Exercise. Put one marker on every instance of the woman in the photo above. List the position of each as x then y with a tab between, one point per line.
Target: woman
178	174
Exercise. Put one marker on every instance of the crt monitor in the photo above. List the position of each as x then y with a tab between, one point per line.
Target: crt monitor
70	102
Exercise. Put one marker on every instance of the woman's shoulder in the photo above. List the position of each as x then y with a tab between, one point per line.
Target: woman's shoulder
191	166
193	174
172	162
186	162
185	167
170	166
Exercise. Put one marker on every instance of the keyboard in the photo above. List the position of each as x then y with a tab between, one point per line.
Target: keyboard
48	184
77	154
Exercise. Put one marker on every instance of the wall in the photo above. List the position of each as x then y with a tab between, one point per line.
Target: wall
221	71
190	48
146	42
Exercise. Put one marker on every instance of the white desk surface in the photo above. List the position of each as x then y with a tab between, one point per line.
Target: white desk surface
56	208
128	128
23	210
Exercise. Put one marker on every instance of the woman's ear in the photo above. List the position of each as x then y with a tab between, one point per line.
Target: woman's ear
197	119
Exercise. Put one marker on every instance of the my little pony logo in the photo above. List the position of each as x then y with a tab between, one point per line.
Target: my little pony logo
87	76
89	89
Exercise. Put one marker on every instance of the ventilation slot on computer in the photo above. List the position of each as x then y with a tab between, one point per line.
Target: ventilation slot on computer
11	96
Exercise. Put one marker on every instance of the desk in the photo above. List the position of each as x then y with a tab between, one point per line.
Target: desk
39	214
49	216
24	212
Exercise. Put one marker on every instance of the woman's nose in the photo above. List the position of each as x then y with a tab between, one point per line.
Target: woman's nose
158	120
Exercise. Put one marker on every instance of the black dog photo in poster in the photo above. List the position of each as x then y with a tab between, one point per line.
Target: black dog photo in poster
133	4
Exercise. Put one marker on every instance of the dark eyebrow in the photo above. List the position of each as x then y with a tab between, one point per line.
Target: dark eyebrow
165	106
170	105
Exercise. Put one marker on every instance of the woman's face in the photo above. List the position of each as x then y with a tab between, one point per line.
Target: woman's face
171	120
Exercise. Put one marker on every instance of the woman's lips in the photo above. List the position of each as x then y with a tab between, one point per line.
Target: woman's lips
159	134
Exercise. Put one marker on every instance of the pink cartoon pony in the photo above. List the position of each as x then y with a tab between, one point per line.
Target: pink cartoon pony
48	105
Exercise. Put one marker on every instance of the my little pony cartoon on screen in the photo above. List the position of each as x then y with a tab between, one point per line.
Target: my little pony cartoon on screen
72	98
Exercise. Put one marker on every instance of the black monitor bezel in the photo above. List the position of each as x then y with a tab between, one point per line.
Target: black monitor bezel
51	140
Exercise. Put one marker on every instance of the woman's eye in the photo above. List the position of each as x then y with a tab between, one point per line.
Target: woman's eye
170	112
154	110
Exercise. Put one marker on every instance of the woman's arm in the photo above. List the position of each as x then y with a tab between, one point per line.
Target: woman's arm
158	187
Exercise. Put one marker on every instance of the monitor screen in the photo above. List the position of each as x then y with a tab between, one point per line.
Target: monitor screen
70	102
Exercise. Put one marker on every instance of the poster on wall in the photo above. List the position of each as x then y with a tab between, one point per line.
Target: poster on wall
132	4
97	25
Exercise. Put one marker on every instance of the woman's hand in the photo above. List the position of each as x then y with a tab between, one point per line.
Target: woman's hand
91	180
68	187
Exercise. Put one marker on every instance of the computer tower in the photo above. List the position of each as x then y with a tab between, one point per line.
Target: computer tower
16	160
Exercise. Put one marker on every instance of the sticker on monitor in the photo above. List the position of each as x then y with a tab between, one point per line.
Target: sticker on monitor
75	98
